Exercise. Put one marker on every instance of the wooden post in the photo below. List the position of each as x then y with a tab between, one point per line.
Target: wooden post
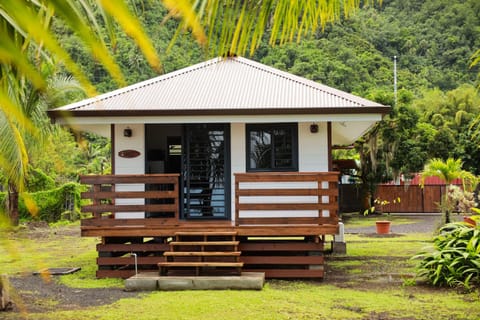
237	201
96	202
329	146
319	198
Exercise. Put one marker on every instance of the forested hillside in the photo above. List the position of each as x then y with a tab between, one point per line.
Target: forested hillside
433	41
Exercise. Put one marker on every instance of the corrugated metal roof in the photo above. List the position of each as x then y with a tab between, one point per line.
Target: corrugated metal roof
222	84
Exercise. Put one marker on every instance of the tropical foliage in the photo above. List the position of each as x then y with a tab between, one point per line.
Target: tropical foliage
448	171
51	204
455	258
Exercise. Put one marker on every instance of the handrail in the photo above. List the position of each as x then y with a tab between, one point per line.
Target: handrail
261	198
155	194
286	198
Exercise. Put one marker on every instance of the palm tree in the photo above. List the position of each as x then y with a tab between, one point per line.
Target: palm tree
448	171
19	139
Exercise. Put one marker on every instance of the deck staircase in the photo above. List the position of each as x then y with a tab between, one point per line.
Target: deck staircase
202	253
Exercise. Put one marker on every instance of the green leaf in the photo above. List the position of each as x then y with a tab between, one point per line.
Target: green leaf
71	15
132	27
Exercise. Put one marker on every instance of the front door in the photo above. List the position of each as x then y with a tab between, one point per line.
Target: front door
206	171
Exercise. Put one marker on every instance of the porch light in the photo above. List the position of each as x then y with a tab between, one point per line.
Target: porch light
314	128
127	132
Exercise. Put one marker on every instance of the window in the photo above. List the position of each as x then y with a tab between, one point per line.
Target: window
272	147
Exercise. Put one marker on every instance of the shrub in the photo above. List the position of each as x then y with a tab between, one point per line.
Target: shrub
50	204
455	259
37	180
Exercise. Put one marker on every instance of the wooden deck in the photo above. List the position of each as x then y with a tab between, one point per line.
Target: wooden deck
288	246
151	228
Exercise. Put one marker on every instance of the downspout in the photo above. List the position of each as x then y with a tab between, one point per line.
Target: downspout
134	255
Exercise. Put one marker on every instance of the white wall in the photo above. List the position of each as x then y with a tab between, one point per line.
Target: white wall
130	165
312	148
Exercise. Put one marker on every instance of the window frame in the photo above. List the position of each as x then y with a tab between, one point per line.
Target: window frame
292	126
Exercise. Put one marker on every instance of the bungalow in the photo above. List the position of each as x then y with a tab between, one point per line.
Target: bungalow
227	163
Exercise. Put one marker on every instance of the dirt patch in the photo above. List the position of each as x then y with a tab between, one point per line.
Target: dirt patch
34	294
41	230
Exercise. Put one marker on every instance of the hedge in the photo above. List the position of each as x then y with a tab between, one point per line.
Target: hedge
51	204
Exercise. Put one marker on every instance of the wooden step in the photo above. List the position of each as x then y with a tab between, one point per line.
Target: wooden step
209	233
204	243
201	264
202	253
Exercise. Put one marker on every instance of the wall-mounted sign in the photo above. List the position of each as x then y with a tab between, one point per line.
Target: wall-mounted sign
175	150
128	153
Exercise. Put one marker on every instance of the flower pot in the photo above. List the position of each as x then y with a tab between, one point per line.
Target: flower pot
383	227
469	221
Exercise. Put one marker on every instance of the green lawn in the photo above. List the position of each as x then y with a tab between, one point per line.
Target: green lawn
289	300
373	281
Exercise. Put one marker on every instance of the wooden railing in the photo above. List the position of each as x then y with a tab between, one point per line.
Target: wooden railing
286	198
151	195
260	199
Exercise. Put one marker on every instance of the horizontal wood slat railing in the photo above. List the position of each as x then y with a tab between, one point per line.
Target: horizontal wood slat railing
160	194
269	192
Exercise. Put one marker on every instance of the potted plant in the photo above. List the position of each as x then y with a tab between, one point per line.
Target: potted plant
382	226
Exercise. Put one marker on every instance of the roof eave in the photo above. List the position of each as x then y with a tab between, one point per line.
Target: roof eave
202	112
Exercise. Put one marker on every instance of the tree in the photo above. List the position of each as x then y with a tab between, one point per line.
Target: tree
448	171
19	139
372	165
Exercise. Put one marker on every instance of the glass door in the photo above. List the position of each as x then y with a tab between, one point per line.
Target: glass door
206	171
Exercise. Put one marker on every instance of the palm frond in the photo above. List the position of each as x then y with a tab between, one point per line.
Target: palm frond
14	157
27	19
448	171
239	26
69	13
11	53
132	27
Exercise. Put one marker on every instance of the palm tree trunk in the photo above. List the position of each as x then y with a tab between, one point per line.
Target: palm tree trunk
12	204
447	216
447	205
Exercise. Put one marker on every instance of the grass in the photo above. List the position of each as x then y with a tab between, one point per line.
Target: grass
362	294
25	251
408	245
287	300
